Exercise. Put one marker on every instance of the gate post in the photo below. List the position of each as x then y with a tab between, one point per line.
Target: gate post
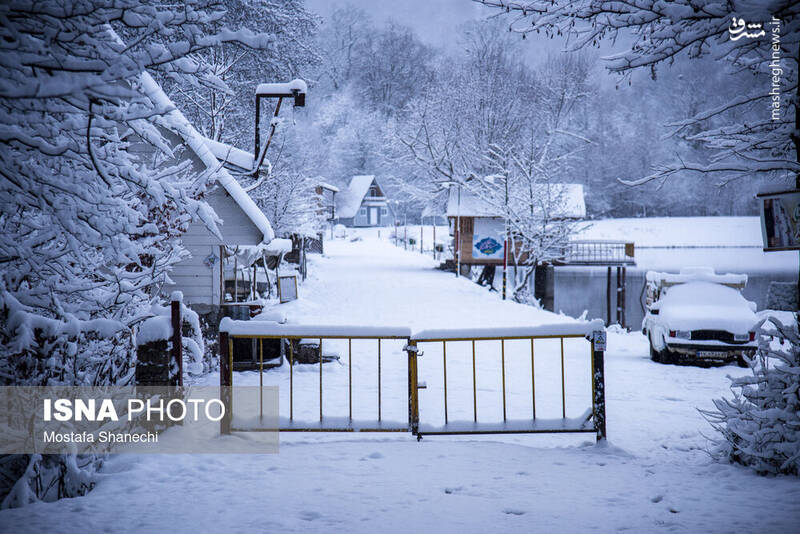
224	381
598	383
413	392
177	335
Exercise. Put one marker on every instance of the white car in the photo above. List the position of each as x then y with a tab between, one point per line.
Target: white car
700	321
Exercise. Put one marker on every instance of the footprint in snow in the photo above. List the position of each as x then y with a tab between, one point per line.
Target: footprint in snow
514	511
373	456
657	498
310	516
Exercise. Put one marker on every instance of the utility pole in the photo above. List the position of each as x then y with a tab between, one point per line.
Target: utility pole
458	233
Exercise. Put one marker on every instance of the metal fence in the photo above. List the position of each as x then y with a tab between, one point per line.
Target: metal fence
592	420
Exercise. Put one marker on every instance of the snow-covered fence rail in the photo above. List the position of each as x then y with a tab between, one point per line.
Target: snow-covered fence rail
592	420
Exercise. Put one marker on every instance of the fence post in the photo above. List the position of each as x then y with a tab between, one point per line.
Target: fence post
413	399
224	382
177	336
608	296
598	383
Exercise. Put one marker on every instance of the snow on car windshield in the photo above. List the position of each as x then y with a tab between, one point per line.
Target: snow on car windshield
705	293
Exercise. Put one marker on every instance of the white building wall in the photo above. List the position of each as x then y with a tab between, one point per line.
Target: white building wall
198	281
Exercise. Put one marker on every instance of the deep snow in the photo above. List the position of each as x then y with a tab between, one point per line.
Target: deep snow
653	475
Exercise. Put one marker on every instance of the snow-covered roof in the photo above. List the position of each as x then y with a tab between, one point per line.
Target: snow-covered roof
349	200
282	88
329	187
696	274
569	196
230	154
200	146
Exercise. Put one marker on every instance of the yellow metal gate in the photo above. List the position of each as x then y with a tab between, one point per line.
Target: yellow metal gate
483	351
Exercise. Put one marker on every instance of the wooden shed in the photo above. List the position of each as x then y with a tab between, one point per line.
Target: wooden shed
478	229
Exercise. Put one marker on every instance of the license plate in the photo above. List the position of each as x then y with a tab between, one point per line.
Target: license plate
711	354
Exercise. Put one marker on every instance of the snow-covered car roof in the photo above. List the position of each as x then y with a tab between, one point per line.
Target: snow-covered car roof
702	305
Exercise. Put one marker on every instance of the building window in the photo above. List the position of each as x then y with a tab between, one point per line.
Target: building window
373	191
384	212
363	212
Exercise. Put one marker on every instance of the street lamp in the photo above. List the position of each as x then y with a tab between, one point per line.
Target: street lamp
295	89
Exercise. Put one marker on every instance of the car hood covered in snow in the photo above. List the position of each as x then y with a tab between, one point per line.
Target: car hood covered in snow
706	306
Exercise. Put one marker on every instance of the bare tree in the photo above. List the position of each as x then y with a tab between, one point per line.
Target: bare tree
662	32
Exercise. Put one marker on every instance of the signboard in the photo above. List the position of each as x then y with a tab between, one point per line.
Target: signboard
780	220
287	288
487	239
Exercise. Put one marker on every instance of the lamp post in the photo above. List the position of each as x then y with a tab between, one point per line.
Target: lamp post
457	233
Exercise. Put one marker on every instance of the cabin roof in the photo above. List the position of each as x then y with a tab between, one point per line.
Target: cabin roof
349	200
567	198
200	146
230	154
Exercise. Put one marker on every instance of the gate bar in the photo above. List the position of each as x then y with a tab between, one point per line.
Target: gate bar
379	379
474	386
320	379
503	372
563	395
533	384
444	361
291	379
350	375
261	377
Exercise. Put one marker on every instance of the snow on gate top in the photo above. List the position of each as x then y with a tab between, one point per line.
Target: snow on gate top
267	328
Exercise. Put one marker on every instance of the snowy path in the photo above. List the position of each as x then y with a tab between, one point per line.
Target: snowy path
653	476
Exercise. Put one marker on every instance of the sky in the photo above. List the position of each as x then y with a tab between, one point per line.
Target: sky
437	23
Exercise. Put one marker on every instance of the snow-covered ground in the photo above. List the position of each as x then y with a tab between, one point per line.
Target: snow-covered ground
729	244
652	475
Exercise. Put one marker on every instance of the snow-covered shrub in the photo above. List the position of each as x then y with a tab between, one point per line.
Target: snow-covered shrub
95	191
158	327
760	425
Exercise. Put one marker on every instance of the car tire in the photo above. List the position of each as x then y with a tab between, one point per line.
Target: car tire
655	355
741	362
667	356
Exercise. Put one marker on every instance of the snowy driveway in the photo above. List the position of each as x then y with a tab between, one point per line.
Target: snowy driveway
653	476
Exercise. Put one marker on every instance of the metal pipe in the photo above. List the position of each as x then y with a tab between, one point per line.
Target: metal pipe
444	361
291	379
533	383
350	374
261	377
379	379
563	395
503	371
320	379
474	386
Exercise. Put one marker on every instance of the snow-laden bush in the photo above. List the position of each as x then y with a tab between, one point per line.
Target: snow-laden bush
760	425
159	327
96	188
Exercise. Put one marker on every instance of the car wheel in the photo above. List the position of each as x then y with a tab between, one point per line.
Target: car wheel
741	362
655	355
